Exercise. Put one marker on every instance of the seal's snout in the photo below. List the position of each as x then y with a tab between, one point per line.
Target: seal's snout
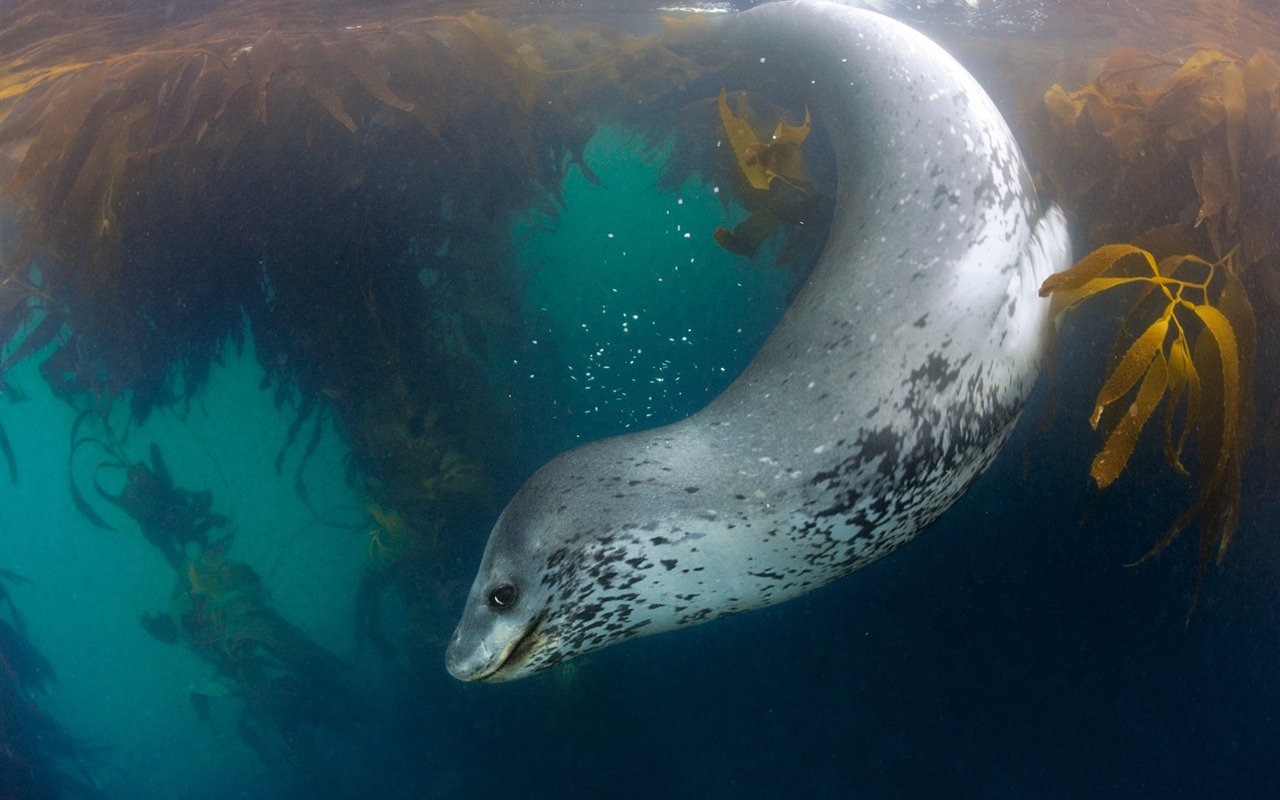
454	659
466	660
491	647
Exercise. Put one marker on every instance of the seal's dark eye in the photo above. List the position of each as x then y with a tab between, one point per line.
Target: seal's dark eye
502	597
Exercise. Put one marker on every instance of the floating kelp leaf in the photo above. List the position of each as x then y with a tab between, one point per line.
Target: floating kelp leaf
747	236
1261	82
39	337
1184	381
352	55
1113	457
60	127
1137	361
761	162
1228	350
260	62
1078	282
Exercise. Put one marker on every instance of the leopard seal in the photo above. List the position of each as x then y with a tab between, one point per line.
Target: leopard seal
889	385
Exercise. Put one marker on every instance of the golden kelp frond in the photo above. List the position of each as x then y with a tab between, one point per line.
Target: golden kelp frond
1153	131
761	162
1195	347
777	189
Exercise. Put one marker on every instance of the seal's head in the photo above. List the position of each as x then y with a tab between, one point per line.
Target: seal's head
518	618
571	565
500	633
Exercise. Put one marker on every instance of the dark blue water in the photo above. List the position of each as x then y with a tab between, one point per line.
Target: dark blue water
1006	653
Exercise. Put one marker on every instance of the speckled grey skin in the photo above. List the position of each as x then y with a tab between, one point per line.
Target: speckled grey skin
887	388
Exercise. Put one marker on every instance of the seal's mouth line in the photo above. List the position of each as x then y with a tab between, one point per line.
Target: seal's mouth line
512	650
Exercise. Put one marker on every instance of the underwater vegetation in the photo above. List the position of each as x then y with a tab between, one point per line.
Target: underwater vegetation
288	686
778	157
1177	155
778	188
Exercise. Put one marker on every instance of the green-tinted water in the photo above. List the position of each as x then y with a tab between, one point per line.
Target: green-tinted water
640	317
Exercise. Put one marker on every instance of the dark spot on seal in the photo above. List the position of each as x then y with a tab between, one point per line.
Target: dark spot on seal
669	563
691	489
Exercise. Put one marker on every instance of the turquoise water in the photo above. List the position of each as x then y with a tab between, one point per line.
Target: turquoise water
122	693
1007	653
640	318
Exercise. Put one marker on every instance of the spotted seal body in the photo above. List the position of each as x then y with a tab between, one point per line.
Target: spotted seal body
889	385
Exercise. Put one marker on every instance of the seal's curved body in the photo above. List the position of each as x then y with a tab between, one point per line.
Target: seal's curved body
890	384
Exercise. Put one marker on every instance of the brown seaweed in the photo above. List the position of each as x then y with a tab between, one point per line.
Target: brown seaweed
1178	152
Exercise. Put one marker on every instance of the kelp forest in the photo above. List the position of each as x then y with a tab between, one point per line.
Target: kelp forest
333	192
334	189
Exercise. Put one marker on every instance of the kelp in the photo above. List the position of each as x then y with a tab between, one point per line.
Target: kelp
778	157
1191	136
1193	352
775	184
1179	154
289	687
219	609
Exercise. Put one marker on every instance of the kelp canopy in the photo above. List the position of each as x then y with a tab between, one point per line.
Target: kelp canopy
342	181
